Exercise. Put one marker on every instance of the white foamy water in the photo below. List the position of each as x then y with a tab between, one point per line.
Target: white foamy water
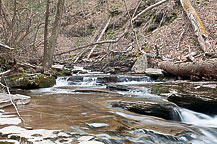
61	81
198	119
207	125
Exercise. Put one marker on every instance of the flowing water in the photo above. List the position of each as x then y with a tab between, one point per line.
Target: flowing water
80	106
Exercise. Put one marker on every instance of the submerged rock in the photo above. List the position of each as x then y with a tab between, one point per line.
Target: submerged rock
5	99
114	87
162	110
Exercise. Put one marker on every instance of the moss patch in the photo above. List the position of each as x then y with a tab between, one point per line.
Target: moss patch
158	89
42	80
17	80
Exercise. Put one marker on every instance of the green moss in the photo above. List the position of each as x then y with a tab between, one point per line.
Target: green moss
158	89
42	80
18	80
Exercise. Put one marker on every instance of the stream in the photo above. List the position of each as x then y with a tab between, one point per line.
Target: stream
78	110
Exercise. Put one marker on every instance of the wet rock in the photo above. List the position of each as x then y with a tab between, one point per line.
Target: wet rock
58	67
17	80
22	80
117	87
43	81
75	79
29	136
154	72
162	110
107	79
198	103
17	99
140	65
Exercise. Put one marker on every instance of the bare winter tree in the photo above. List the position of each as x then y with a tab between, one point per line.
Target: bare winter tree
49	48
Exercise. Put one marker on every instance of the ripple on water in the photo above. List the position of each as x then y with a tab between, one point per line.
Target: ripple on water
97	125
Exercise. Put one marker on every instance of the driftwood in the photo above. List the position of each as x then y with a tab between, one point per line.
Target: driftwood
197	25
195	70
6	46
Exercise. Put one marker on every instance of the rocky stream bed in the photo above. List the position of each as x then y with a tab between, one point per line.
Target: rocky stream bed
96	108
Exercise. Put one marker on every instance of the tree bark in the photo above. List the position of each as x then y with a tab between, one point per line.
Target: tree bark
197	25
206	70
46	34
49	51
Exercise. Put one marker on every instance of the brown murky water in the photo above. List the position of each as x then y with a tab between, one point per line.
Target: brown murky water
84	106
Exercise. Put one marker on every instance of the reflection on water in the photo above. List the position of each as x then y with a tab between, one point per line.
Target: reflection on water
79	104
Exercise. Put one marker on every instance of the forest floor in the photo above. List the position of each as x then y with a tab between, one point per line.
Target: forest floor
164	30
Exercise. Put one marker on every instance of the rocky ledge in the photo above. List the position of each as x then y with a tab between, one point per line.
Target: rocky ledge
5	99
25	81
161	110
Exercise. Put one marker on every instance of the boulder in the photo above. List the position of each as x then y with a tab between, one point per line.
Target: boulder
154	72
114	87
25	81
162	110
140	65
17	99
198	103
58	67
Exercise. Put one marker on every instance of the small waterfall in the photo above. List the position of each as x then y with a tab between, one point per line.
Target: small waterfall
61	81
198	119
206	124
89	81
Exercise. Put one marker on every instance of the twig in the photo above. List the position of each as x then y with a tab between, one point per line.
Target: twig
12	102
6	46
100	36
137	7
181	35
128	49
6	72
92	44
131	23
92	40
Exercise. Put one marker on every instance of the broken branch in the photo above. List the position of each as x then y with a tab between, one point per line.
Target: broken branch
6	46
92	44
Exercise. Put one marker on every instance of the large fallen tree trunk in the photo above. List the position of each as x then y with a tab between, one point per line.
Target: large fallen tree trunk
206	70
197	25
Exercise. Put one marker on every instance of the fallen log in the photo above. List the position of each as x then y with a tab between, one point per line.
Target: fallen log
197	25
206	70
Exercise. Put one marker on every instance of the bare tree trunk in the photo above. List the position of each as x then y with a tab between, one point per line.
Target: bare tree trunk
46	34
13	23
49	51
0	7
197	24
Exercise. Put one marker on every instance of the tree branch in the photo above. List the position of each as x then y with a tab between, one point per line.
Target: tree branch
6	46
91	44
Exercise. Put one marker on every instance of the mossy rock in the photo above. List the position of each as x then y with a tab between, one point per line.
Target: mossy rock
17	80
43	81
159	89
24	81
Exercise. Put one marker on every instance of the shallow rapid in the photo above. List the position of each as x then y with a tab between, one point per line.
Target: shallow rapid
79	106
